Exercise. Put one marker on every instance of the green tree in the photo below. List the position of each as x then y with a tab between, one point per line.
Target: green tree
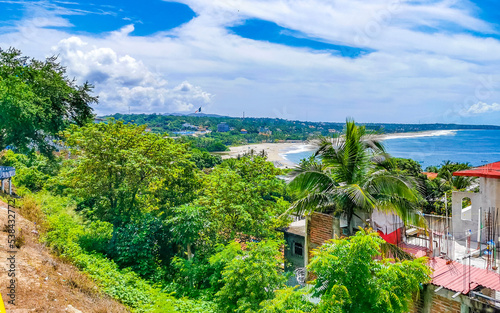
350	278
37	101
354	174
33	171
121	171
243	198
408	166
203	159
251	277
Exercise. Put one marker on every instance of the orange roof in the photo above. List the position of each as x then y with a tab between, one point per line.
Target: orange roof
430	175
491	170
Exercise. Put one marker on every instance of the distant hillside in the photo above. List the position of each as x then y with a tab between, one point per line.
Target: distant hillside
174	121
252	129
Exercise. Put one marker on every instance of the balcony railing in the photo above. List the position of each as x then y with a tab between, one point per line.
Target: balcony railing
7	172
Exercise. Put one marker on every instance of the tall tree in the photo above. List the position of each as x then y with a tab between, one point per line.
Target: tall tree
355	173
244	198
37	101
121	170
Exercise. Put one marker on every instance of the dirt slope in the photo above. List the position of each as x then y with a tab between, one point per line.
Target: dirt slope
44	282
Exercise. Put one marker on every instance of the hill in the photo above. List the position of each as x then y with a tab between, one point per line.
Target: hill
46	283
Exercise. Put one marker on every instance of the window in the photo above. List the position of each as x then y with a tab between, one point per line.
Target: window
297	248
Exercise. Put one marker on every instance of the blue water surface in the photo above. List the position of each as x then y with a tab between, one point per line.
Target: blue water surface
477	147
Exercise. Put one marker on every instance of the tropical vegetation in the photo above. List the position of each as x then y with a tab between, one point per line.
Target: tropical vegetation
354	174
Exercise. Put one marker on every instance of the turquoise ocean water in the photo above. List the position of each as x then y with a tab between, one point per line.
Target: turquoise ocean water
477	147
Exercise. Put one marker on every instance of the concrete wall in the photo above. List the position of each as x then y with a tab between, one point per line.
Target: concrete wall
294	261
482	202
463	220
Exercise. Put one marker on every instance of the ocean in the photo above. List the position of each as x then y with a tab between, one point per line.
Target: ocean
477	147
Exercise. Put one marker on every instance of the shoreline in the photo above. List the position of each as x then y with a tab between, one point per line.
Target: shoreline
276	152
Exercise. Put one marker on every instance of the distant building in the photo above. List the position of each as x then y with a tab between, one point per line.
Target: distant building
265	131
187	125
222	128
244	131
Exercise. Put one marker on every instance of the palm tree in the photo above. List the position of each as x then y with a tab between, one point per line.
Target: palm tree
355	174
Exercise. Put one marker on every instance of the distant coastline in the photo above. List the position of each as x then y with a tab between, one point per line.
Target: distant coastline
277	152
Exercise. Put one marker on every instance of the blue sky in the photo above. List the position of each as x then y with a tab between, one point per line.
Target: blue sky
320	60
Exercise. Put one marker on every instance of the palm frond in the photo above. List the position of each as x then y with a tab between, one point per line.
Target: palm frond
312	181
393	251
312	202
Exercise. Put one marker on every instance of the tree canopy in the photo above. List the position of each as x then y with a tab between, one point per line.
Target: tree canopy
37	101
351	278
120	170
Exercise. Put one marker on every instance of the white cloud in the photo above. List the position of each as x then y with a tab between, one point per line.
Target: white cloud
124	83
411	76
481	108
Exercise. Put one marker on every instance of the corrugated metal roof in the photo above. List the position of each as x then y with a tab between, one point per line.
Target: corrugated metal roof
491	170
462	278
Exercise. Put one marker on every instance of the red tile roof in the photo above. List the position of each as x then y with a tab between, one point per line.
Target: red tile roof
459	277
491	170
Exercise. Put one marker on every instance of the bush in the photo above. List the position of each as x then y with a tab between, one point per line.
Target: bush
141	246
96	237
251	277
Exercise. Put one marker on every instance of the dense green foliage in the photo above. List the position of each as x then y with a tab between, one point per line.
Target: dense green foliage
121	171
37	101
250	277
350	278
33	171
433	190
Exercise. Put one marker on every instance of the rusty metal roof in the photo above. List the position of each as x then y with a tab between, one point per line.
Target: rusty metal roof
460	277
491	170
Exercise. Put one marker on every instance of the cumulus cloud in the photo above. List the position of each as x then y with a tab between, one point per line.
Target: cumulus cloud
123	82
481	108
427	58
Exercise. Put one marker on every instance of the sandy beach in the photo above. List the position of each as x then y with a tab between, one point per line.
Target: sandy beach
276	151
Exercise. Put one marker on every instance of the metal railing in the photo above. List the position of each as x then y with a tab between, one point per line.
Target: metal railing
7	172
